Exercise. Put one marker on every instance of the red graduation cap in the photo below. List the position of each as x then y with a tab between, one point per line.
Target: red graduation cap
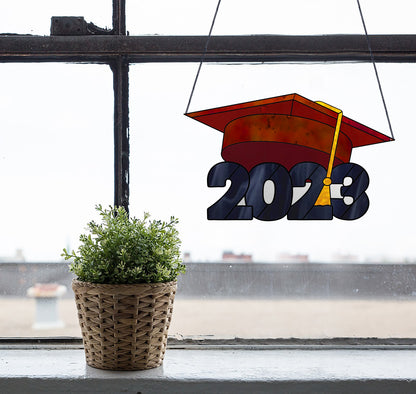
287	129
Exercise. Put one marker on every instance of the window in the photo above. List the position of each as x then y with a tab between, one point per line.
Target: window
308	279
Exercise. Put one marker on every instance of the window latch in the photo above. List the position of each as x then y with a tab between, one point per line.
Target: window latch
75	26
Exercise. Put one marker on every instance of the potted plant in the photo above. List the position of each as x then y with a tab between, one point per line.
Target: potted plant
126	271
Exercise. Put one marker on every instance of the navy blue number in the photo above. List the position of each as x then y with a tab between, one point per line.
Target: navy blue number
251	186
356	190
282	198
227	208
305	208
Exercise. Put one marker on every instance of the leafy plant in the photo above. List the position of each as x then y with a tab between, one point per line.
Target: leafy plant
124	250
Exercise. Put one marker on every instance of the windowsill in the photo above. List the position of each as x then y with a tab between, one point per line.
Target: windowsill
239	369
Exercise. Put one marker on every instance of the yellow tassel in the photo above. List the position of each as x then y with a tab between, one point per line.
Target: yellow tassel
324	197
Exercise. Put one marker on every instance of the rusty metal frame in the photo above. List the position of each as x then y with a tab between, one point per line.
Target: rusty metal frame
119	50
253	48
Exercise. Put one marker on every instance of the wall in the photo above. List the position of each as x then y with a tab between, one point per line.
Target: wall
248	279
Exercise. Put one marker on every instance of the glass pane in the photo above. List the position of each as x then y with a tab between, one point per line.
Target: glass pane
305	278
194	17
34	17
56	150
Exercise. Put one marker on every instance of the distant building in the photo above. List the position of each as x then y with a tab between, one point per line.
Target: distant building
187	257
344	258
230	257
292	258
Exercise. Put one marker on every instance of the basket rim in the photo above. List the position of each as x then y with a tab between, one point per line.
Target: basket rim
79	283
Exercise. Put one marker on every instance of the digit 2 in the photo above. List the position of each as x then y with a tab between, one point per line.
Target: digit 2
227	208
305	208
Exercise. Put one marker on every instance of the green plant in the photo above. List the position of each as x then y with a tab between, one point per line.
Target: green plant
124	250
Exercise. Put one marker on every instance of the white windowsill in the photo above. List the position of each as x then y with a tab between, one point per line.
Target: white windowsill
235	370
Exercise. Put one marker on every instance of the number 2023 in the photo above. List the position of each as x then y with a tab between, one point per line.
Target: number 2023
250	185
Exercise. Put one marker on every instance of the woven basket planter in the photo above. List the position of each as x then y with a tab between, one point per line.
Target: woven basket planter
124	327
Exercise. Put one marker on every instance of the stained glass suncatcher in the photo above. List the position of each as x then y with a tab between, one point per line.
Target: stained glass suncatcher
291	141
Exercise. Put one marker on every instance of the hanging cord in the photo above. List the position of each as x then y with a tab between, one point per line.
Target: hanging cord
203	56
375	69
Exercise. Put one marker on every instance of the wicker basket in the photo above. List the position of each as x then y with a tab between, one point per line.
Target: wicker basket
124	327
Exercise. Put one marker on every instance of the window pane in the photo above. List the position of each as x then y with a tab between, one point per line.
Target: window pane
358	275
56	158
56	154
34	17
194	17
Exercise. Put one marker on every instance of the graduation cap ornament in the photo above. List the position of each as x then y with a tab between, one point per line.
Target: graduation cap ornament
293	142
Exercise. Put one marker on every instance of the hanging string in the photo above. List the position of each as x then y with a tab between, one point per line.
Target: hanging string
203	56
375	69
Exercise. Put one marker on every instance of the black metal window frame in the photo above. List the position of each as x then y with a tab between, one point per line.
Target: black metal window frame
78	42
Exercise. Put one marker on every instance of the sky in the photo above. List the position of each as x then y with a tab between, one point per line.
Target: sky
56	147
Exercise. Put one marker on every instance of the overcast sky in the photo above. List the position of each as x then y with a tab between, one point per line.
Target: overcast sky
56	147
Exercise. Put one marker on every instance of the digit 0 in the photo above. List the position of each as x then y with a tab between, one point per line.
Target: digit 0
282	198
